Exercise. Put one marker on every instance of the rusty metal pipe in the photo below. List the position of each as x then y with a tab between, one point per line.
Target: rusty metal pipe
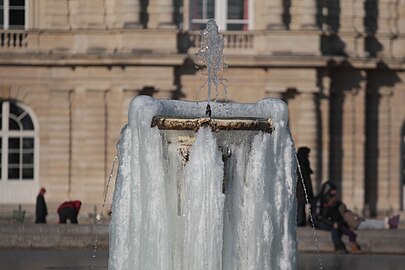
217	124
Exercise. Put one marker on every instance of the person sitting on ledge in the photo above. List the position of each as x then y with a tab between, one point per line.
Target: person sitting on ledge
356	222
327	216
69	210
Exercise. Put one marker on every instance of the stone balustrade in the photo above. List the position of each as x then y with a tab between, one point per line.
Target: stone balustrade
233	39
88	42
143	41
13	39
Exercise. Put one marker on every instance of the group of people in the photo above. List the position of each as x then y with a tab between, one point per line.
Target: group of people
68	210
328	212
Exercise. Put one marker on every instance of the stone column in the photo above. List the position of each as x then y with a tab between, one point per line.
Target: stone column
273	14
88	144
161	14
58	160
387	188
351	20
114	123
91	14
308	16
347	135
351	17
389	21
127	14
353	147
73	14
385	126
306	126
57	13
324	109
303	14
78	159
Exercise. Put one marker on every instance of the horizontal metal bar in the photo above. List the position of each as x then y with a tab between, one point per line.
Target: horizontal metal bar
217	124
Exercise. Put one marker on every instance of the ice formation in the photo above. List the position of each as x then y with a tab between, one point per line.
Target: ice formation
211	56
228	203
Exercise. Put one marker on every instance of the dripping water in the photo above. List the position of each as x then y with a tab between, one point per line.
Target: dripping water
99	217
310	215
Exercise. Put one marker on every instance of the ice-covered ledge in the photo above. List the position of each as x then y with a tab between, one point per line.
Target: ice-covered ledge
268	108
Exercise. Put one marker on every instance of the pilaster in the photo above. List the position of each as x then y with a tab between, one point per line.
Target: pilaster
303	15
273	14
57	14
301	95
127	14
306	127
58	176
352	14
352	140
91	14
382	16
161	13
386	185
324	114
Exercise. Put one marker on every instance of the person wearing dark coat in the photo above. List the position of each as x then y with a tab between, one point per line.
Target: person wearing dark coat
321	216
69	210
327	216
41	211
306	171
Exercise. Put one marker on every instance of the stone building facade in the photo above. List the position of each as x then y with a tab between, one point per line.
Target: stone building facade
71	67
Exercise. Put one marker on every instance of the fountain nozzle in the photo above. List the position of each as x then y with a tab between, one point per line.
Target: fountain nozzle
208	111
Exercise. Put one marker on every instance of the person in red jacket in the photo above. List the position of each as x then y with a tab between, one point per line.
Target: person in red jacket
69	210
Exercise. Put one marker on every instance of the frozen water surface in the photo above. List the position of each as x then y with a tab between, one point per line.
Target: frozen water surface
204	200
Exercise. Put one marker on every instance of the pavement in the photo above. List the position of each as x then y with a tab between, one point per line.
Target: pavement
54	236
80	259
371	241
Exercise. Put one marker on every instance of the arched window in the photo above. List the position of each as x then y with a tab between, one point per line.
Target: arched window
18	151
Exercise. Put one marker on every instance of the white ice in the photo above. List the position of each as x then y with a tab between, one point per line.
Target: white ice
171	214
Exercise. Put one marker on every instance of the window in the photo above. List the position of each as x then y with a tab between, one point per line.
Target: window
17	143
13	14
229	14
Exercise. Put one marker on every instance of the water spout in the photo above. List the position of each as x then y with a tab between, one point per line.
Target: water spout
211	55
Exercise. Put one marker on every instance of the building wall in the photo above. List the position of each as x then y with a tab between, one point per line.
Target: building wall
337	64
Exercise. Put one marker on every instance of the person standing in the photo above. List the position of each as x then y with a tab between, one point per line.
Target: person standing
306	171
41	211
69	210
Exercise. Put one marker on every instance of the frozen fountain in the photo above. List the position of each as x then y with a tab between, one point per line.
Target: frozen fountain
205	185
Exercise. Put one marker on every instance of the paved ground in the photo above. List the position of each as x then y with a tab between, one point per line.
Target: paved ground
69	259
309	261
83	236
59	259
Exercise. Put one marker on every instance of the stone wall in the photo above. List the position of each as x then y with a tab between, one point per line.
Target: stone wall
337	64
